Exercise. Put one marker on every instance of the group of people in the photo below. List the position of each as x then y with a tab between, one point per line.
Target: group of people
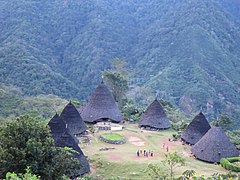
145	153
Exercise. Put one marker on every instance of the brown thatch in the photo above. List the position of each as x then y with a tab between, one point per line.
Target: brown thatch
66	140
196	129
101	106
154	117
213	146
58	127
72	118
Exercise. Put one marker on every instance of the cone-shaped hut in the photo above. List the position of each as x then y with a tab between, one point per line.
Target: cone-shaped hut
73	120
196	129
101	106
58	127
154	117
66	140
213	146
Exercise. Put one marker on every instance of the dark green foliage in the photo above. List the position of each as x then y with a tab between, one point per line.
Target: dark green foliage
187	50
224	122
117	84
130	110
234	136
26	142
228	163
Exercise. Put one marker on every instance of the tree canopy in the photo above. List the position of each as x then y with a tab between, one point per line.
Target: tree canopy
26	142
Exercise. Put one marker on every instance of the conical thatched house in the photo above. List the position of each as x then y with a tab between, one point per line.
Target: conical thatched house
73	120
101	106
213	146
58	127
196	129
154	117
66	140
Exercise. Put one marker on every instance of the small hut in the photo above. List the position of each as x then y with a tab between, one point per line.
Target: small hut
73	120
213	146
58	127
101	106
66	140
196	129
154	117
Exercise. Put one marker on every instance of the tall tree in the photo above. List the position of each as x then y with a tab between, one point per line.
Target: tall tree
117	80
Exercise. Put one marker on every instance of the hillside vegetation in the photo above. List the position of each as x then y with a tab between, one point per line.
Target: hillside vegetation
186	50
14	104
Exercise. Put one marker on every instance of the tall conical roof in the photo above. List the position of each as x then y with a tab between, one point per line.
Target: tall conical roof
213	146
100	106
72	118
66	140
154	117
58	127
196	129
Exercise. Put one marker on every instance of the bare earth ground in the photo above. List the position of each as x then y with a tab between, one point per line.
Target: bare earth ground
123	162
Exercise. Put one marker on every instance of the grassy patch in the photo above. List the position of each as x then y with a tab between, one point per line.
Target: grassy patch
113	136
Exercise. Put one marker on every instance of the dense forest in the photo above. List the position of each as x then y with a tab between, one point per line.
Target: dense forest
187	51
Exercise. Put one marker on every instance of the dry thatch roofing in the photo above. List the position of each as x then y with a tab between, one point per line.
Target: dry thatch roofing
101	106
66	140
154	117
72	118
213	146
196	129
58	127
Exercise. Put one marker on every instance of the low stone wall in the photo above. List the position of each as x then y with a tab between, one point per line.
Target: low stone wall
123	141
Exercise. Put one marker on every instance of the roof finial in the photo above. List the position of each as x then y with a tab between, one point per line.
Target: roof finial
102	79
157	94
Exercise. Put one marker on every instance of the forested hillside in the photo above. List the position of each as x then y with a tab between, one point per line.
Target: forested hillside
186	50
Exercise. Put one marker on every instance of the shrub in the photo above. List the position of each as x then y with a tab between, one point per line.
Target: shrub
228	163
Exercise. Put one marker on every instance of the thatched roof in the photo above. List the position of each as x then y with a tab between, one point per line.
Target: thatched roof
154	117
101	105
196	129
58	127
66	140
213	146
72	118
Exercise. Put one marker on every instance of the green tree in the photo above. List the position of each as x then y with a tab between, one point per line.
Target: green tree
224	122
26	142
171	161
117	80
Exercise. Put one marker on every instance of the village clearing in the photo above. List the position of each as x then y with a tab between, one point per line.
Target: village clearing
122	160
